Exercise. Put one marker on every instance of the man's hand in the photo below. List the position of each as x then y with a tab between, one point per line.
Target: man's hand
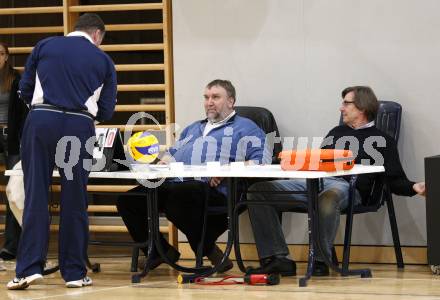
419	188
215	181
165	159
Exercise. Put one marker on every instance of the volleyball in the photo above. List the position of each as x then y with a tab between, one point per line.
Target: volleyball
143	147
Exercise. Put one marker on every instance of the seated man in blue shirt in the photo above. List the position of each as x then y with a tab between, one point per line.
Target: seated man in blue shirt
359	109
223	136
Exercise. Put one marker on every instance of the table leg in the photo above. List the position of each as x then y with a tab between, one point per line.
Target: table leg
231	200
154	241
236	235
314	238
312	192
136	278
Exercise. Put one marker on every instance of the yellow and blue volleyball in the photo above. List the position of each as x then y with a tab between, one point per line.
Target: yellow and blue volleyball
143	147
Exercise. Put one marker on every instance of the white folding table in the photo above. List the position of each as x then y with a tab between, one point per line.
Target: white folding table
150	175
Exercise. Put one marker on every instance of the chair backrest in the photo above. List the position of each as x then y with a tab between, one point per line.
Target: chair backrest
265	120
389	117
388	120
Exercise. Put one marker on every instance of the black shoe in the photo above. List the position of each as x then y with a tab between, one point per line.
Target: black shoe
277	265
5	255
172	254
215	257
320	269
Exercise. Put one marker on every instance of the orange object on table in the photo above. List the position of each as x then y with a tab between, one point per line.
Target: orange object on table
328	160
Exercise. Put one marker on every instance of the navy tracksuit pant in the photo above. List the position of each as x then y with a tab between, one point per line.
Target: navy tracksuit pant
41	133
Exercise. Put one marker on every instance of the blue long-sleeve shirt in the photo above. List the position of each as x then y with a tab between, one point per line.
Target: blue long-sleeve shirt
239	139
70	72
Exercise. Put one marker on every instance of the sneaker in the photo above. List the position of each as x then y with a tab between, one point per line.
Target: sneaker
215	257
86	281
24	282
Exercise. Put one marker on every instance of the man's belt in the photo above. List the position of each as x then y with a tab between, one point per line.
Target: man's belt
49	107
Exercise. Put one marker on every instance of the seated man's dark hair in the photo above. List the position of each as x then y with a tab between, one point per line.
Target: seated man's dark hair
364	99
226	84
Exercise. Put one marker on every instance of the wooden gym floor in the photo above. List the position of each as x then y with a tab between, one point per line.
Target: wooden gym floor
415	282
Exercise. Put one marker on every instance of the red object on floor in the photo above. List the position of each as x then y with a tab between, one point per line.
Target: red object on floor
252	279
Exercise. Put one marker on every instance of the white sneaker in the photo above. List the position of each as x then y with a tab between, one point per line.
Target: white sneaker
86	281
25	282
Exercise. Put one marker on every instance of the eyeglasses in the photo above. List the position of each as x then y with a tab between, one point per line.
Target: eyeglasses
347	103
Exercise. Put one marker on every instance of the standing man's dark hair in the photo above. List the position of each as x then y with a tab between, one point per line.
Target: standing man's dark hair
364	99
89	21
92	24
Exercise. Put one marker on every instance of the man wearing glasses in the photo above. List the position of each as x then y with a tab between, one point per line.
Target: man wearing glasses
359	134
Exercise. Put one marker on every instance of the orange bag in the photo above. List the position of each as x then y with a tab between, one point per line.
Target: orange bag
328	160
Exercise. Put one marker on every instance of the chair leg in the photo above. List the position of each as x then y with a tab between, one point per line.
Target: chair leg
394	231
95	267
280	217
199	254
348	228
51	270
334	257
134	259
347	243
236	231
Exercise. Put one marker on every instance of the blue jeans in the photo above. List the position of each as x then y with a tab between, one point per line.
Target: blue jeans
266	224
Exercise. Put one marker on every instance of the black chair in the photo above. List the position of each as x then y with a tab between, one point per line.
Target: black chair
388	120
266	121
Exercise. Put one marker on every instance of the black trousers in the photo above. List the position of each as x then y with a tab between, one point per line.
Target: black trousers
12	228
183	204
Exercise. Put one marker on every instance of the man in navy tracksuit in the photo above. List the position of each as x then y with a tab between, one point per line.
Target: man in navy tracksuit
69	83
